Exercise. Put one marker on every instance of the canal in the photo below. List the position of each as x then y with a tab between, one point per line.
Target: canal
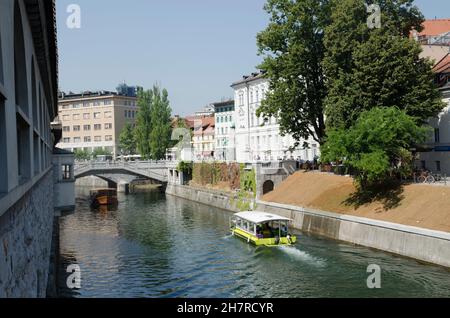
161	246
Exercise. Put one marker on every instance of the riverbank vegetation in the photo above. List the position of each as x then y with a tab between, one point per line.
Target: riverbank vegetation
324	60
152	135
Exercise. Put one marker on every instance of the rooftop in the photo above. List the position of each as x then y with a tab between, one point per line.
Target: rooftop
435	27
260	217
89	94
249	78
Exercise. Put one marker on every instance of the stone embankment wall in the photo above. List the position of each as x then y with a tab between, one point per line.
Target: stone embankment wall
25	242
421	244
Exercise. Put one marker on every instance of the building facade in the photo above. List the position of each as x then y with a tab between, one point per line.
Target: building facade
203	140
225	131
94	120
434	155
259	140
28	104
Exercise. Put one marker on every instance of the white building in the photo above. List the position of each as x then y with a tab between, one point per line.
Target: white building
225	131
435	39
256	140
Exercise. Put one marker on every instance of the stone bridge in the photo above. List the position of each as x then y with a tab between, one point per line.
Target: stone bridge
121	173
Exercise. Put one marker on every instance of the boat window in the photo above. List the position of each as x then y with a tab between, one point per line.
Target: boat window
238	223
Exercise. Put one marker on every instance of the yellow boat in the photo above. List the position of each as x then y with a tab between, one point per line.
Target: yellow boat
262	229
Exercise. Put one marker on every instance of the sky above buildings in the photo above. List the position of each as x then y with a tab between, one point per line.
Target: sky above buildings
194	48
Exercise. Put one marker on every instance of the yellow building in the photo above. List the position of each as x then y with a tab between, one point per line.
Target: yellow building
94	120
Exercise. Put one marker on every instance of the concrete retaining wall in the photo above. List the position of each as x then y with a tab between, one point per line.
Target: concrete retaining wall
418	243
25	242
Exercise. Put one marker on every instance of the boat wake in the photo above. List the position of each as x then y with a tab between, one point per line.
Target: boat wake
302	256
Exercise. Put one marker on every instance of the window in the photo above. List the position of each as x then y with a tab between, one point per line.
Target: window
108	114
107	102
108	126
86	116
34	101
97	138
438	166
20	62
78	105
23	149
76	117
241	99
66	117
1	63
87	139
97	127
36	152
76	128
86	104
108	138
66	172
87	127
76	139
3	161
437	137
66	129
66	140
96	103
97	115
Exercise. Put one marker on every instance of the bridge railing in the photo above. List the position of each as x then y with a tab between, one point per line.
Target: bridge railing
149	164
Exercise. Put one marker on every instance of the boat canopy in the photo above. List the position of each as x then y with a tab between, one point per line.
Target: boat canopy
260	217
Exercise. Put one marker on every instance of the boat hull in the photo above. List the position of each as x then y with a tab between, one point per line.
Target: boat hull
263	241
104	200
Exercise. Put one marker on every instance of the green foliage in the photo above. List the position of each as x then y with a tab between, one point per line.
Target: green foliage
161	128
376	68
377	147
247	191
82	154
127	140
185	167
153	124
293	50
101	152
143	123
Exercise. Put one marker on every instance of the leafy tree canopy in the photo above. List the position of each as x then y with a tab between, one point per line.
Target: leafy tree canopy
377	147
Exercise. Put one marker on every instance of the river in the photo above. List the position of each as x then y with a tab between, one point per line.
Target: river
155	245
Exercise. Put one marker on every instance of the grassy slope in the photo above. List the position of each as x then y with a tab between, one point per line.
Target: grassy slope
419	205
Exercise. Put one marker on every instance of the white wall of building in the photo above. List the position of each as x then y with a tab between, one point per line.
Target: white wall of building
258	142
225	134
438	160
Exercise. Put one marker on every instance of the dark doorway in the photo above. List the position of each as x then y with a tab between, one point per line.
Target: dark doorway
268	186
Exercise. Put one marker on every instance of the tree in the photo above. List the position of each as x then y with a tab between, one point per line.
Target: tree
82	154
293	50
144	122
377	147
101	152
376	68
127	140
160	136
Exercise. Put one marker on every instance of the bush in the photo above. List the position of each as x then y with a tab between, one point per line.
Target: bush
377	147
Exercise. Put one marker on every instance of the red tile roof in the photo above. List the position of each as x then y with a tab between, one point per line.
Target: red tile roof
435	27
443	66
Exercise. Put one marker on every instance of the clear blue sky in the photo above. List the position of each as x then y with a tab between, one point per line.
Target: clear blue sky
194	48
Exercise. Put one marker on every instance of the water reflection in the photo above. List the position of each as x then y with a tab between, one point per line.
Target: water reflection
158	246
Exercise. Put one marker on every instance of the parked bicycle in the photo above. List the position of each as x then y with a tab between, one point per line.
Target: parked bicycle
428	177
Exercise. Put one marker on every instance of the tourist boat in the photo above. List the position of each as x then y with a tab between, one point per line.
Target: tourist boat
262	229
103	197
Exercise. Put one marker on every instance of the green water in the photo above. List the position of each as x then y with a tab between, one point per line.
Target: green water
160	246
